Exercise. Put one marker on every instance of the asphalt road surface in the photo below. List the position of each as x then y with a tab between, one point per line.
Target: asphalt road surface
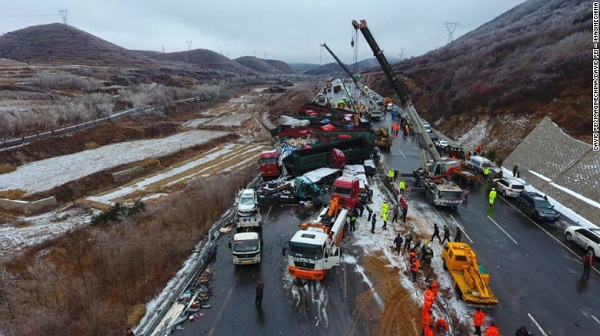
289	307
535	273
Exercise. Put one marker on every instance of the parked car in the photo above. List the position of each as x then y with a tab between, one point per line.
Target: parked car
509	186
537	206
587	238
441	143
433	137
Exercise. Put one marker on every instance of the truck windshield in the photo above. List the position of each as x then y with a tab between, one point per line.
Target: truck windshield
268	161
308	251
342	191
245	245
451	194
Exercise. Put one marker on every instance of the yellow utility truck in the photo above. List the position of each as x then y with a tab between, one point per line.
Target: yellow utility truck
471	281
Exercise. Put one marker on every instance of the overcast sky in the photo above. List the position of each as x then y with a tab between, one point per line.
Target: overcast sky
286	30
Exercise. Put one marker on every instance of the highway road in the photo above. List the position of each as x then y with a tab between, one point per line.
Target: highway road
289	307
534	273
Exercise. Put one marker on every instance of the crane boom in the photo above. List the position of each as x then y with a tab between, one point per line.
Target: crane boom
398	87
351	75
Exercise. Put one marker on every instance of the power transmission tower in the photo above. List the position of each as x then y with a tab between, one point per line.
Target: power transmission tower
64	13
451	26
401	54
187	55
189	44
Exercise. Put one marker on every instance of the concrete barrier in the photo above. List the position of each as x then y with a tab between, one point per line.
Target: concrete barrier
29	208
564	161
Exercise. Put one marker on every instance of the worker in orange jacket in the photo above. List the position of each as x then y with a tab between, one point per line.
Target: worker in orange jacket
428	330
441	326
414	268
478	320
492	330
425	318
435	288
429	297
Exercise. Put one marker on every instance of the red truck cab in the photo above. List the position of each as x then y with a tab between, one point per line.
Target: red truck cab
346	188
269	165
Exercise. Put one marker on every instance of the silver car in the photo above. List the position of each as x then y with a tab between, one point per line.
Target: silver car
587	238
509	186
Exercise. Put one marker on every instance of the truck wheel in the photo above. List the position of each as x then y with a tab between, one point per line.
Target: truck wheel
458	292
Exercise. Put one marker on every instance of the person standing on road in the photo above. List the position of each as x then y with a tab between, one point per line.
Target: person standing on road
369	210
404	205
373	222
384	218
515	171
435	288
492	330
398	242
458	236
446	235
492	196
402	186
407	240
588	261
522	332
259	293
436	233
353	222
486	173
478	320
414	268
395	213
129	332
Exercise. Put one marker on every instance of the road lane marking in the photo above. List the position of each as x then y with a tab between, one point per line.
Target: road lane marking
499	227
212	330
595	319
578	257
462	228
404	156
537	325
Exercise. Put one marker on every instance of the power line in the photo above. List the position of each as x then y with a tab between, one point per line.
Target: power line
31	15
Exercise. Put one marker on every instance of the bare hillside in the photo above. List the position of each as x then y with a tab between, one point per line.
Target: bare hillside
493	85
60	43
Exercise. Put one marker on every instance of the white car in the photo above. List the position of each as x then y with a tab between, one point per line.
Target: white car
587	238
509	186
247	202
441	143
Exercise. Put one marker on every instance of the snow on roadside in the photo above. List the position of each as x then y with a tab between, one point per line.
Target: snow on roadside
49	173
575	217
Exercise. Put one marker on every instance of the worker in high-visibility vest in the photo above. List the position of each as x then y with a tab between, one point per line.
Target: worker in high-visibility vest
402	186
414	268
486	172
492	196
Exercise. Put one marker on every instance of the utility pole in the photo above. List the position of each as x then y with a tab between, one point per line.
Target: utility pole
451	26
64	13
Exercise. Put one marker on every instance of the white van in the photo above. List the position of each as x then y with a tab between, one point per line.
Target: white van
477	163
426	126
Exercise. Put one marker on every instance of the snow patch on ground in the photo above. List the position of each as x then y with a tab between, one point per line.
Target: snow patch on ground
475	135
47	174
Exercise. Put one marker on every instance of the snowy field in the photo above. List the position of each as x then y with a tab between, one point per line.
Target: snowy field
47	174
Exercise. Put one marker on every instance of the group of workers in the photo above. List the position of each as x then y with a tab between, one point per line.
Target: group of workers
428	321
